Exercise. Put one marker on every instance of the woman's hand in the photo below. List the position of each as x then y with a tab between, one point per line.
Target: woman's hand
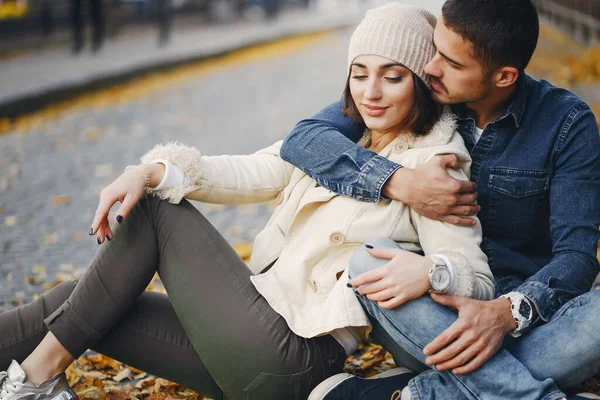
404	278
127	189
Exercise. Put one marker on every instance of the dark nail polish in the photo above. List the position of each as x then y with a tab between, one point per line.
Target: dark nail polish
98	240
119	219
108	238
91	231
348	284
368	246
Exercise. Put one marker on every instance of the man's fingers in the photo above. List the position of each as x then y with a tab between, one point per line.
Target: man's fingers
466	186
443	339
475	363
366	277
466	199
449	352
471	351
449	161
383	252
465	211
459	221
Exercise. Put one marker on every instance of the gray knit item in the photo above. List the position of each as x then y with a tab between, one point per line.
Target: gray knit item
398	32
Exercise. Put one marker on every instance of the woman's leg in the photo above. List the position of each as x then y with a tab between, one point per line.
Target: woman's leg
149	337
247	347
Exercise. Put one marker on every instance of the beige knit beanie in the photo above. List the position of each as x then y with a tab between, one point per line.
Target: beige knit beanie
399	32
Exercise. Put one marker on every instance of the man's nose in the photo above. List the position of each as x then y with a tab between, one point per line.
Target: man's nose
432	69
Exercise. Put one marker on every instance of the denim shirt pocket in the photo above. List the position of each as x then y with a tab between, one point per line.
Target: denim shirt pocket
518	202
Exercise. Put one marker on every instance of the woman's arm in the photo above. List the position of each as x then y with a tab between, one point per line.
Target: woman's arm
461	246
223	179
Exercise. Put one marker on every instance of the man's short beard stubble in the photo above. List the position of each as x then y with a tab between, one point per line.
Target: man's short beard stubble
463	97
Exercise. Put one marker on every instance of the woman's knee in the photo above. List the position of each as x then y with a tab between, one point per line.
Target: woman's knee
362	261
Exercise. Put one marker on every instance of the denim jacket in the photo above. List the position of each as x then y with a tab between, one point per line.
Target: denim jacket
537	169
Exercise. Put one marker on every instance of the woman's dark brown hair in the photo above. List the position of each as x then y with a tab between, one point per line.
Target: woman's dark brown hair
424	113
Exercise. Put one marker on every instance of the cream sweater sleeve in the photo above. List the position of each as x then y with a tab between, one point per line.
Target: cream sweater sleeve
461	245
223	179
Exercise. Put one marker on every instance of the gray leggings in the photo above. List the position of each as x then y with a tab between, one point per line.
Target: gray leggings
213	333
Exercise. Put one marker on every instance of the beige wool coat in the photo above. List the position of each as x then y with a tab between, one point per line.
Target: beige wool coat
313	232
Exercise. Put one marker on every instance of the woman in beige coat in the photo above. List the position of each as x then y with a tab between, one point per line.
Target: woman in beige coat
276	328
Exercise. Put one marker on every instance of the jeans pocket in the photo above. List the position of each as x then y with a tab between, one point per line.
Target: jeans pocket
270	386
518	203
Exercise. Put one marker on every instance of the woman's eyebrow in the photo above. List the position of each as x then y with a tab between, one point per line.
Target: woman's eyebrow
383	66
390	65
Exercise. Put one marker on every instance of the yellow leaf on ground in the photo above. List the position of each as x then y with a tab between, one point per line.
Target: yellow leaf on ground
244	250
122	375
60	200
51	239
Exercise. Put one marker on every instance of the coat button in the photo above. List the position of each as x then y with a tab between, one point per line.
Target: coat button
401	147
336	238
313	285
280	198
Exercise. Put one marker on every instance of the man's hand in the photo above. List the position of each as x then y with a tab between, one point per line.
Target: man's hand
474	337
433	193
404	278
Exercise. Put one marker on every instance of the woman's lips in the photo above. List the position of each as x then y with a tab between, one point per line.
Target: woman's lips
374	111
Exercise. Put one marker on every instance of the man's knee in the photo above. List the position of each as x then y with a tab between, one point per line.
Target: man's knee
362	261
421	319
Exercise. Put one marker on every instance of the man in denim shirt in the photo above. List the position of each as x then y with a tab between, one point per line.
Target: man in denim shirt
536	172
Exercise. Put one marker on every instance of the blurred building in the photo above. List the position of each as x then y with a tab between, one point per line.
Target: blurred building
579	17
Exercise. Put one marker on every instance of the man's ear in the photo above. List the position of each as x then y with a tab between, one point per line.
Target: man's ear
505	76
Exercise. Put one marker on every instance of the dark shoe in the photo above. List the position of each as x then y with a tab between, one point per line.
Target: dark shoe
583	396
347	386
14	387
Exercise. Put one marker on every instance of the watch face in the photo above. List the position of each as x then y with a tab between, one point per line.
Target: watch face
525	310
440	279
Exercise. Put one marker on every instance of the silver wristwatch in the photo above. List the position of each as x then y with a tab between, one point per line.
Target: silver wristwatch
440	275
521	309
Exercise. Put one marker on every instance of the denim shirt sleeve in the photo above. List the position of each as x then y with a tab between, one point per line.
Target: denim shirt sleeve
574	216
324	148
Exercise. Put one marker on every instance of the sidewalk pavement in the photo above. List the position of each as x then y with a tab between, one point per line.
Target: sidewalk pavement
31	81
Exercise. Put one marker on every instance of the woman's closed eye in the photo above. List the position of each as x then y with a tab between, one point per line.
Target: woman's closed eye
393	79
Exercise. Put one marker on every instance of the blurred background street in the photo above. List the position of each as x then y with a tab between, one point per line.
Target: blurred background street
226	76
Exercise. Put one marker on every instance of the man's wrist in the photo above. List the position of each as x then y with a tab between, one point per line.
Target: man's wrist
507	317
394	187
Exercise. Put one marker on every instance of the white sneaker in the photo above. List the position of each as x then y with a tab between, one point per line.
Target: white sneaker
14	387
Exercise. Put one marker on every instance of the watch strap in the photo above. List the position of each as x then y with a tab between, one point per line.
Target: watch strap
523	321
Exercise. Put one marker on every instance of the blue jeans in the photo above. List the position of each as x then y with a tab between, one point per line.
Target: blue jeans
562	352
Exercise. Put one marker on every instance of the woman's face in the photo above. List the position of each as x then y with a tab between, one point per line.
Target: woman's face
383	92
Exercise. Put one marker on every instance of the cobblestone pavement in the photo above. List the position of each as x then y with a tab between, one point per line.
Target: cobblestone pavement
50	176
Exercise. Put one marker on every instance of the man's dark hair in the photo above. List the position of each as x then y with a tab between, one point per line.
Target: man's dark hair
503	32
423	114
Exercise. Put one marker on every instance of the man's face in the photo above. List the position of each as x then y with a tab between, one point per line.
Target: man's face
457	77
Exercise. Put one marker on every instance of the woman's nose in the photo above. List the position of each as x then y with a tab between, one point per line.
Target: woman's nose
373	90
